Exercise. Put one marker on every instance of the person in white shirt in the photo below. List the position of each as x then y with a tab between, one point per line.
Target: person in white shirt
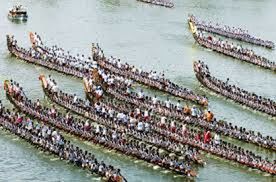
132	122
138	112
75	99
110	81
119	63
128	91
184	129
114	135
194	111
97	107
146	114
140	126
154	100
99	92
217	139
163	121
147	127
168	103
55	88
97	129
141	94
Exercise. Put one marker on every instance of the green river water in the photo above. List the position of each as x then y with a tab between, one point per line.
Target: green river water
149	37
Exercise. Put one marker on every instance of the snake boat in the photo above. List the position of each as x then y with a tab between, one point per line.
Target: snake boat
241	96
226	31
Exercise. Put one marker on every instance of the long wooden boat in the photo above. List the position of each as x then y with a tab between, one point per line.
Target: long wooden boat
233	33
145	78
62	149
231	50
233	92
223	149
221	127
49	62
161	84
38	59
159	3
91	113
120	143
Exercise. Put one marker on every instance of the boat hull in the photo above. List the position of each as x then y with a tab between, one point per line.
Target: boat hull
18	17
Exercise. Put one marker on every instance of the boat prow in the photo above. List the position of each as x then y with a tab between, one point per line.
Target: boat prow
32	38
86	86
43	81
6	85
192	26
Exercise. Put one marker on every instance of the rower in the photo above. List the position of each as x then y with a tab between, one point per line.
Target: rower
178	106
147	127
227	81
97	129
163	122
209	116
194	111
140	126
198	136
207	137
87	103
53	111
204	101
114	135
146	115
132	121
184	130
172	127
168	103
119	63
54	88
48	79
86	126
187	110
217	139
75	99
141	95
128	91
138	112
38	106
99	92
154	100
97	107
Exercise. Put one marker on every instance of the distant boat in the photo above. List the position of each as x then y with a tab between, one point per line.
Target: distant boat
18	13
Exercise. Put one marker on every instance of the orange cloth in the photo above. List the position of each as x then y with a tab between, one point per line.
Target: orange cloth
209	116
186	110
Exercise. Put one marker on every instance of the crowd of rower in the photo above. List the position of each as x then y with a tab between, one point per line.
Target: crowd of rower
235	93
62	62
222	127
165	3
49	139
236	51
78	61
46	59
207	144
118	134
115	66
231	32
220	148
120	90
